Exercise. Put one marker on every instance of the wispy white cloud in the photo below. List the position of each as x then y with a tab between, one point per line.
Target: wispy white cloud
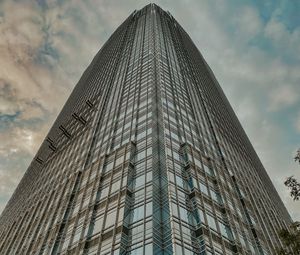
283	96
282	38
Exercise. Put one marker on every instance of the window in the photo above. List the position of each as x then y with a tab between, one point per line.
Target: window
119	160
149	249
141	155
110	218
199	216
174	136
149	209
192	183
77	234
187	252
208	170
174	209
98	225
216	196
137	251
141	135
109	167
178	249
183	214
138	213
149	151
197	162
211	222
140	181
176	155
226	231
115	186
179	181
203	188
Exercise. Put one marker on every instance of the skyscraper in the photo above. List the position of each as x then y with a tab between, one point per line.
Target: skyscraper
146	157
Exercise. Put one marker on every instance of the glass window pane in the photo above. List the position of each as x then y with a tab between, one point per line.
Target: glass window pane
110	218
183	214
203	188
211	222
138	213
149	249
98	225
138	251
226	231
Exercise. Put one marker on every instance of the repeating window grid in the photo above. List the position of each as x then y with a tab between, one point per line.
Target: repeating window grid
133	114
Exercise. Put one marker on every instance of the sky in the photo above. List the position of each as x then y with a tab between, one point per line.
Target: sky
252	46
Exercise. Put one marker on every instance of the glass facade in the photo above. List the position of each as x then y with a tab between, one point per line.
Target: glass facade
146	157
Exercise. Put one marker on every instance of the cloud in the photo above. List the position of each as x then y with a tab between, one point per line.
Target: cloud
281	36
283	96
247	24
